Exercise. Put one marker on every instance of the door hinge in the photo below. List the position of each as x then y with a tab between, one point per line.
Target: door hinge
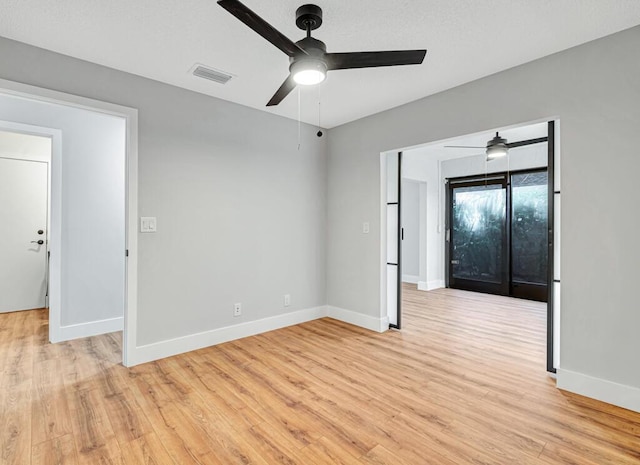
126	253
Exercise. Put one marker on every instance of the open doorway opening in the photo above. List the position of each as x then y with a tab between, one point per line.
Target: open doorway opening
25	162
86	238
478	224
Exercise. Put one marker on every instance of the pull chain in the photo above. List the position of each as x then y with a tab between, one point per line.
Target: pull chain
319	134
298	118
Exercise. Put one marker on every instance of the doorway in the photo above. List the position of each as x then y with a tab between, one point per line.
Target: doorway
497	234
433	164
94	150
24	213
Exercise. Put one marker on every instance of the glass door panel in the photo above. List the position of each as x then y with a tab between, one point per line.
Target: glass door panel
529	235
478	254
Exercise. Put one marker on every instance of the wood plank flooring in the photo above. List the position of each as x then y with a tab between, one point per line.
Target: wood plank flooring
463	383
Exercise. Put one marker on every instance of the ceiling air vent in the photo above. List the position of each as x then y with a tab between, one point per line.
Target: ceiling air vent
212	74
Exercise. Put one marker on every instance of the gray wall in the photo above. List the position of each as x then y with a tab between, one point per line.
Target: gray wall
424	169
241	211
594	90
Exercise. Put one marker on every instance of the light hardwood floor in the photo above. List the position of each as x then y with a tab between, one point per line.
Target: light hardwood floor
463	383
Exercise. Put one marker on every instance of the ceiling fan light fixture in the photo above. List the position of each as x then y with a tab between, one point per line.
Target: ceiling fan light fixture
497	148
308	72
496	152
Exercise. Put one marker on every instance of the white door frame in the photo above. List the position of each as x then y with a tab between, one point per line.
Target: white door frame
130	116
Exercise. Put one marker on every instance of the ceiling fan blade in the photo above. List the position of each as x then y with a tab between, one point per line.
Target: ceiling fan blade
463	147
285	89
374	59
521	143
263	28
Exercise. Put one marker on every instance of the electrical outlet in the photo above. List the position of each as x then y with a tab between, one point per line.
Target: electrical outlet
237	309
287	300
365	228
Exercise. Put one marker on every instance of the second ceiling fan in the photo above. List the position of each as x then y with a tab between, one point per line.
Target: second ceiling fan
308	58
498	146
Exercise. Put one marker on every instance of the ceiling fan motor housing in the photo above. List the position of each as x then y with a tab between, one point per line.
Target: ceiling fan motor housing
313	59
313	47
497	140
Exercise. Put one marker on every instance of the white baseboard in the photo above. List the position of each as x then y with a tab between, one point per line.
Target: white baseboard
168	348
93	328
409	278
163	349
607	391
372	323
430	285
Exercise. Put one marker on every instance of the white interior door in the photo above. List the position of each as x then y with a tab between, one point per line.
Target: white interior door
23	214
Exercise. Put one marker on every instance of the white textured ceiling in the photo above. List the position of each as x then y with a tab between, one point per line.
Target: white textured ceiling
465	39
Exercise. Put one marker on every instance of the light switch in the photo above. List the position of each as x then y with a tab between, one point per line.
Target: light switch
147	224
365	228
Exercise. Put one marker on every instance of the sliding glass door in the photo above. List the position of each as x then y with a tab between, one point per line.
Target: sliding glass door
497	234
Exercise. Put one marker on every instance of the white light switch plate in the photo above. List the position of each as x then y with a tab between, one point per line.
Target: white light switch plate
147	224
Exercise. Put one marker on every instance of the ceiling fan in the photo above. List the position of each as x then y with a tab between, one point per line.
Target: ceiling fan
308	58
495	148
498	146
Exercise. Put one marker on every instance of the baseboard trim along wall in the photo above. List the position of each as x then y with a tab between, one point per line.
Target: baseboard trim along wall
92	328
430	285
607	391
409	278
372	323
179	345
168	348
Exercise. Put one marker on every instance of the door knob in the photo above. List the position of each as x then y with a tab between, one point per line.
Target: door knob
40	242
40	231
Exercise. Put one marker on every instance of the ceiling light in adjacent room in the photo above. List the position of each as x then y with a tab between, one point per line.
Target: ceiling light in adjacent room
497	147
